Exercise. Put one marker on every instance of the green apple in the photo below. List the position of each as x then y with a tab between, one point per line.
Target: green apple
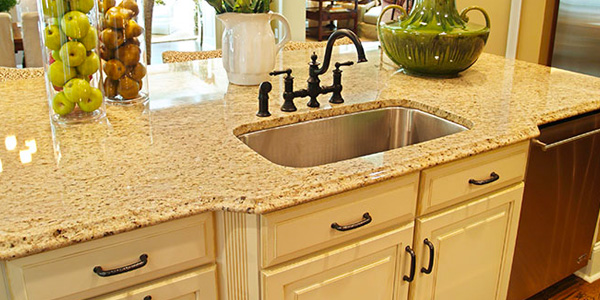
93	102
61	105
73	53
90	65
53	37
56	55
81	5
90	40
59	74
77	90
54	8
75	24
86	78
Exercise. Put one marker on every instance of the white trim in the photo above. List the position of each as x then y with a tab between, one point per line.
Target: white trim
591	272
512	39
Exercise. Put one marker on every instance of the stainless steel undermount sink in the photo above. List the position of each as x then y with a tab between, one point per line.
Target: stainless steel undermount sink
318	142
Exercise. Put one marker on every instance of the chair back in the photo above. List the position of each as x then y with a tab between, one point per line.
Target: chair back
31	40
7	44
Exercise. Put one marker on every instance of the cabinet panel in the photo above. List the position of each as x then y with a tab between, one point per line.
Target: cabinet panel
368	269
171	247
305	229
198	284
3	280
448	184
473	245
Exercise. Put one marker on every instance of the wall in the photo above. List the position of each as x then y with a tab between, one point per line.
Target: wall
294	11
535	30
535	27
499	12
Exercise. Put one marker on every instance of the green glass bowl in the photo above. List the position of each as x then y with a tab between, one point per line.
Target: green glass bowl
433	50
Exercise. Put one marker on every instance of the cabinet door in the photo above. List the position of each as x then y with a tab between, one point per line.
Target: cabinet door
473	248
196	284
368	269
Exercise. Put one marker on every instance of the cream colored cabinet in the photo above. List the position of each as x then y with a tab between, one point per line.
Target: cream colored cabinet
354	245
197	284
466	252
467	210
94	268
305	229
368	269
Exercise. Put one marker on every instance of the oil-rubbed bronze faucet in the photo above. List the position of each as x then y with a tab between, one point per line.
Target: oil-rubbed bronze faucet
314	88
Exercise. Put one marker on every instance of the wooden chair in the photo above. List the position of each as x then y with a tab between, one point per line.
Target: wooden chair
185	56
324	14
31	40
7	44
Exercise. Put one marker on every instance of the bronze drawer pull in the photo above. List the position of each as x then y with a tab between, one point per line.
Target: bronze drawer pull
493	177
431	254
366	220
106	273
413	262
148	298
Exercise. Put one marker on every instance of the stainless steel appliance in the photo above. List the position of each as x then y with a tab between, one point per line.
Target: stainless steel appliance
560	207
577	36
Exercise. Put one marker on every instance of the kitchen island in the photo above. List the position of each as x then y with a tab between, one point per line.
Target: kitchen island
180	157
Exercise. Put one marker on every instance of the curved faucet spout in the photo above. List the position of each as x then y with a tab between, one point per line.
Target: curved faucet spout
329	48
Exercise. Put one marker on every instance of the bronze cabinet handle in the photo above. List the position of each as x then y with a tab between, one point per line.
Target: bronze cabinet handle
148	298
429	244
493	177
366	220
106	273
413	262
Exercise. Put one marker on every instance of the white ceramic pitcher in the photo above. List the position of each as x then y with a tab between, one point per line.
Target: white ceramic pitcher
249	48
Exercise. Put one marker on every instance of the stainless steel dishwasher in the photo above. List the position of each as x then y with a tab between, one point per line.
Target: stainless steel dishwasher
560	206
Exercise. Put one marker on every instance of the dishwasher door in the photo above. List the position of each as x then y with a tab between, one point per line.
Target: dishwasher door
560	206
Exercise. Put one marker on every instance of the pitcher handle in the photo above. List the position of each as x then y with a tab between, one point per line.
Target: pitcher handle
286	29
404	14
463	14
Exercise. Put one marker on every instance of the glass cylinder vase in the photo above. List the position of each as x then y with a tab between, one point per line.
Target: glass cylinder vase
123	51
69	34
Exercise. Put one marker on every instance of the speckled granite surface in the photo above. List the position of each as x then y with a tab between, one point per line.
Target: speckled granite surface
180	157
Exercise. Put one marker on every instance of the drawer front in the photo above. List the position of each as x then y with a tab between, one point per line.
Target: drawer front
197	284
304	229
68	273
363	270
448	184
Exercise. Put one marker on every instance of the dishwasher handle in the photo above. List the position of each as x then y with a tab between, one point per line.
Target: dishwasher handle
546	147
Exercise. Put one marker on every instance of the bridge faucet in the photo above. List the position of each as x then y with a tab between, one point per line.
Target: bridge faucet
314	88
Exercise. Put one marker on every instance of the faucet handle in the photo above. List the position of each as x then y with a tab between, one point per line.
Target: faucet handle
286	71
338	65
336	97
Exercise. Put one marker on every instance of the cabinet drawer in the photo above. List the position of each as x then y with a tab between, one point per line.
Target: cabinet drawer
68	273
448	184
304	229
363	270
197	284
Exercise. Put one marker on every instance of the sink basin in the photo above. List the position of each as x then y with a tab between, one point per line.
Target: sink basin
327	140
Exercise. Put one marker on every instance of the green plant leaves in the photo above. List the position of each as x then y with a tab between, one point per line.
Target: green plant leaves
6	5
240	6
261	6
217	4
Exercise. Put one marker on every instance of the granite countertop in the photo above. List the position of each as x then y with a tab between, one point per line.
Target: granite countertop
179	156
